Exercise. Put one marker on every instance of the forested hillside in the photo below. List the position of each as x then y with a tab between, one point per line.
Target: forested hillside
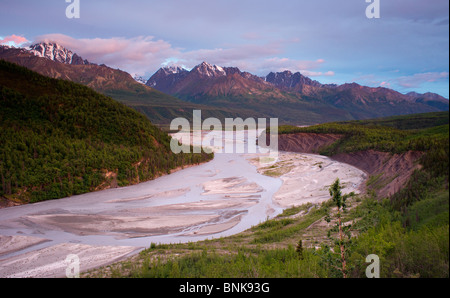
58	139
160	108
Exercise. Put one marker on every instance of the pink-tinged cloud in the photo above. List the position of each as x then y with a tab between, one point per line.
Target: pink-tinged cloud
385	84
317	73
306	67
13	40
145	55
135	55
418	79
232	55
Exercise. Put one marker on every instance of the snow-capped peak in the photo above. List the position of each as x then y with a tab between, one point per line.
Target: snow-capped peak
139	79
52	51
209	70
173	69
56	52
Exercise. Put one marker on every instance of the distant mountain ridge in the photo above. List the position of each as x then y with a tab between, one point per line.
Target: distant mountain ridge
225	91
206	82
228	86
53	60
56	52
285	81
290	81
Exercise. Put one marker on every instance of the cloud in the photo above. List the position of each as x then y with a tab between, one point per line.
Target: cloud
385	84
136	55
416	80
419	82
13	40
251	36
306	67
256	59
318	73
417	10
144	55
232	55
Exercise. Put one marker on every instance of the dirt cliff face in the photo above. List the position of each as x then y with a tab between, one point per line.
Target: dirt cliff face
305	142
387	172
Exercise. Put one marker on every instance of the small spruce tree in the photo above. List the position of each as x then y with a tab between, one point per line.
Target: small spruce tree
299	249
336	258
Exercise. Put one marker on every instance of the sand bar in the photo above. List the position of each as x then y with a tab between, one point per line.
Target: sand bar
53	261
307	178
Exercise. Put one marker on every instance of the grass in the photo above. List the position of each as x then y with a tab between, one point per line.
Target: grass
276	171
408	231
261	251
269	249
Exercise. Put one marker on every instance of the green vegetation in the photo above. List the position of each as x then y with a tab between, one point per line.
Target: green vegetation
58	139
337	257
161	108
414	121
411	242
396	135
246	255
408	231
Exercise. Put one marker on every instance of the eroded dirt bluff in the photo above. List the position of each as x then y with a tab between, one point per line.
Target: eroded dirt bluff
305	142
387	172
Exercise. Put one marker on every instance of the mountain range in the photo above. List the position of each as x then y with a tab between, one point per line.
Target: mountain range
52	61
228	86
225	91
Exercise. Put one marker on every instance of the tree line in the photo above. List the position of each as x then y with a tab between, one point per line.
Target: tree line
58	139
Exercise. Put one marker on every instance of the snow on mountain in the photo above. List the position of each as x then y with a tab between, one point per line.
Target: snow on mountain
166	77
173	69
56	52
139	79
206	69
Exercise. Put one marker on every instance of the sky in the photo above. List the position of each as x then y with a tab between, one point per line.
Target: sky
331	41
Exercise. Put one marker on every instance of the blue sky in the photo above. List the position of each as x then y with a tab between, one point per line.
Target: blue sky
332	41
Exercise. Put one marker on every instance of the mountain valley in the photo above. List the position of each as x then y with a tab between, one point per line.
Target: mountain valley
223	92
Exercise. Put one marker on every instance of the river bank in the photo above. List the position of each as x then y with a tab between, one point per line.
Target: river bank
224	197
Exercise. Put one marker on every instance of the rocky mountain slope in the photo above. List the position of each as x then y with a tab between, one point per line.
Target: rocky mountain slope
225	91
56	52
289	95
54	61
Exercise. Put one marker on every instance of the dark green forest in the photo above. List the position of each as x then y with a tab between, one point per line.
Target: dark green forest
59	138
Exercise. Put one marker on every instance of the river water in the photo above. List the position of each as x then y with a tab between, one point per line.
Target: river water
52	220
220	198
